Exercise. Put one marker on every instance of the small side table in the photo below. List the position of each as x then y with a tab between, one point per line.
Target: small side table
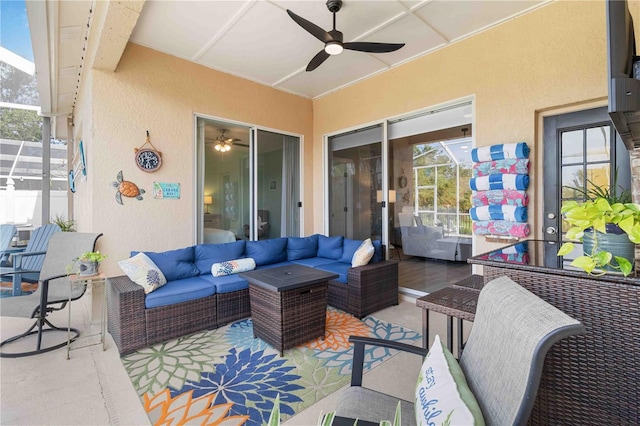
90	282
458	302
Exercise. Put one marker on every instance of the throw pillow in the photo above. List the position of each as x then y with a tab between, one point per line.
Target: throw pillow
233	267
142	271
442	393
363	254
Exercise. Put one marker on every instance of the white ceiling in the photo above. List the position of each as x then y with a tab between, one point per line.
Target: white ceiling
252	39
257	40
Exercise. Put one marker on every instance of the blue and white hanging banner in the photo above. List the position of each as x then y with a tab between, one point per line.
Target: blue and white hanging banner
166	191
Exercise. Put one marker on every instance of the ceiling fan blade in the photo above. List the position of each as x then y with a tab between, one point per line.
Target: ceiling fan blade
317	60
362	46
311	28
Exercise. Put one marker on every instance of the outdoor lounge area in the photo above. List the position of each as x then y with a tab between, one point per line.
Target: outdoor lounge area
208	207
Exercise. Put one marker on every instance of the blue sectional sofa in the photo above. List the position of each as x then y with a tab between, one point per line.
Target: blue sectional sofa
194	300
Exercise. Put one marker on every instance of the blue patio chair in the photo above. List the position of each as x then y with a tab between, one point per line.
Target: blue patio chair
27	262
7	232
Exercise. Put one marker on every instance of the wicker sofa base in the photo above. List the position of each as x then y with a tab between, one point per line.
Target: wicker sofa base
370	288
233	306
179	319
133	327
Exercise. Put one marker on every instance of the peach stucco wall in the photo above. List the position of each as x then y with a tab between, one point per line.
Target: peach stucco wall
161	93
552	59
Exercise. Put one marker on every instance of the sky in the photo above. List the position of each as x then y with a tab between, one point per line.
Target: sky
14	28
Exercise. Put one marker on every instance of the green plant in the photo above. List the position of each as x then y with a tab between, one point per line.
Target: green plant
86	257
65	225
596	214
92	256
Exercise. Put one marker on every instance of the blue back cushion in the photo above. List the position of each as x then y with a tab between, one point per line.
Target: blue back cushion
377	251
174	264
208	254
302	248
265	252
349	247
330	247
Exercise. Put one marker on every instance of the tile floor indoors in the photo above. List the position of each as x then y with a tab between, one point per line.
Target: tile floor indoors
92	388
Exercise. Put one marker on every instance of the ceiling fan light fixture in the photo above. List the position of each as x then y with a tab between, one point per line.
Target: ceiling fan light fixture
333	48
223	143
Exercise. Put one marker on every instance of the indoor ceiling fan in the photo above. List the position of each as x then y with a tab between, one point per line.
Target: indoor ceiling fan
332	40
222	142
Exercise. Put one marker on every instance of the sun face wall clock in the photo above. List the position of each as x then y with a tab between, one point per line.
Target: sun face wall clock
148	159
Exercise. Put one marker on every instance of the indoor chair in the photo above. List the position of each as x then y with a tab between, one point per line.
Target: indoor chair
26	262
502	361
53	292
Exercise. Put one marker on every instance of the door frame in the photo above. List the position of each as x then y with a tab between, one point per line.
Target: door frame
198	175
578	117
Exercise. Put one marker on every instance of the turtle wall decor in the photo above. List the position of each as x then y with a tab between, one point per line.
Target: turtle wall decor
126	188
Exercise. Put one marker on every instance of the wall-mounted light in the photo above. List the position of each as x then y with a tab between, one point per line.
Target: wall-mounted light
208	200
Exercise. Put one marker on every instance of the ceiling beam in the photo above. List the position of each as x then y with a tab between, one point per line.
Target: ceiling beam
113	23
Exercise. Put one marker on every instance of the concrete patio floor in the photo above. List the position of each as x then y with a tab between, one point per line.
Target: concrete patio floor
92	388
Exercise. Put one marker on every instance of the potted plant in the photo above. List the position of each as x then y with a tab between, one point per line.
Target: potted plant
608	225
64	224
88	263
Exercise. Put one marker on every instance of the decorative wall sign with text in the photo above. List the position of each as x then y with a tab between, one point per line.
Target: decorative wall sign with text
166	191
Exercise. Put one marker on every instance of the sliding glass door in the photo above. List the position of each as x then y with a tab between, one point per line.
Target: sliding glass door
406	182
277	186
248	182
355	184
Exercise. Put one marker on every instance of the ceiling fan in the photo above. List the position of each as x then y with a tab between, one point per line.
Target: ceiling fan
332	40
223	143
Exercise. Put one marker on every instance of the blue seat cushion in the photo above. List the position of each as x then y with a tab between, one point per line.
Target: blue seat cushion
349	247
174	264
208	254
330	247
266	252
313	262
302	247
179	291
227	283
339	268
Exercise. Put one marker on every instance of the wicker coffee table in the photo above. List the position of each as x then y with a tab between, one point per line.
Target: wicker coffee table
288	304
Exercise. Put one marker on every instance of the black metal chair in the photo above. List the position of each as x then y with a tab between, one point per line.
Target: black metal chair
53	293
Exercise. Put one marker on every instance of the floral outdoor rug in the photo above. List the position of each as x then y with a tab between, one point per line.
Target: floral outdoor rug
225	376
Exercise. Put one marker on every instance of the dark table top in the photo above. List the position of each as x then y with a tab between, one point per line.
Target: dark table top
288	277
